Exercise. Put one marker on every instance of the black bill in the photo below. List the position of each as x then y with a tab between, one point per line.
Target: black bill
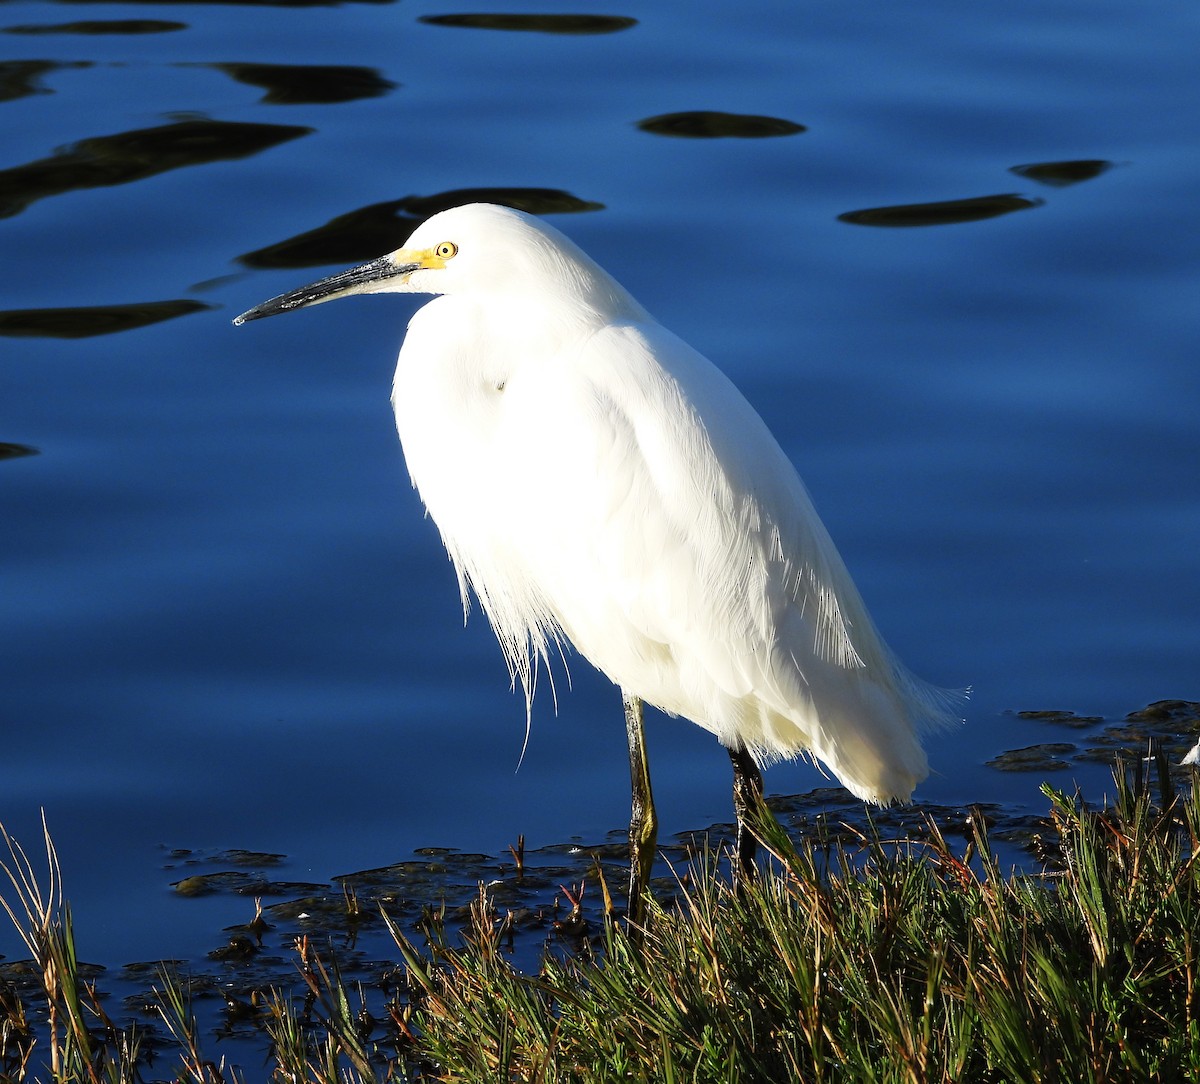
361	279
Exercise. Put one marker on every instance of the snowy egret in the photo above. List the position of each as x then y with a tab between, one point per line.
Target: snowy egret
597	481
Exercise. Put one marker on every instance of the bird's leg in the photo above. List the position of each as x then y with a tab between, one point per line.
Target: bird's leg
643	822
747	795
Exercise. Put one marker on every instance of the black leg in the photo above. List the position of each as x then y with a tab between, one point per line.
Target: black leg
643	822
747	794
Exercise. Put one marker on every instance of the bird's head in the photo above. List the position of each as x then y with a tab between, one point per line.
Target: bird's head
481	250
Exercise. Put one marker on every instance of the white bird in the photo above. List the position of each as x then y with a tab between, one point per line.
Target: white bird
597	481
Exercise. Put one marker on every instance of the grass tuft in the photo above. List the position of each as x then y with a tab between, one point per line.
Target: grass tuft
82	1043
900	962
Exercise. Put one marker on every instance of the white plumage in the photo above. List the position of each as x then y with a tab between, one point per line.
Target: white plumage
597	481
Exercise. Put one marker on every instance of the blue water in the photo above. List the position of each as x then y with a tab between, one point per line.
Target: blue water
225	620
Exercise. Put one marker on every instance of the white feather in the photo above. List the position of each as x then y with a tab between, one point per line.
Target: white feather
596	480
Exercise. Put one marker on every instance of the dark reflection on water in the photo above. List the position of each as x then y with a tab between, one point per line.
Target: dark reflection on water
1061	174
381	227
134	156
536	201
100	26
545	24
310	84
941	213
20	78
710	124
83	323
246	3
11	450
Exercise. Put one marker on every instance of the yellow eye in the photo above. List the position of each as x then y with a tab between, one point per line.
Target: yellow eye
446	250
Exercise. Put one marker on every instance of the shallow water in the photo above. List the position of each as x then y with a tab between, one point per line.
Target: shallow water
949	255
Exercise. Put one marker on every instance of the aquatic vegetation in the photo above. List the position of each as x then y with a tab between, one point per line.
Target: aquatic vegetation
906	962
892	959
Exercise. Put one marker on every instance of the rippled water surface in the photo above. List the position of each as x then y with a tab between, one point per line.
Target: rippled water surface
949	253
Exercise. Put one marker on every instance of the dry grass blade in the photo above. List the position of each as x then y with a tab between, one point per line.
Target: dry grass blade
38	905
176	1012
43	921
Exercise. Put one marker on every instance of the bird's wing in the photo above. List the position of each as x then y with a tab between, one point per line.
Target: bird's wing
678	531
619	490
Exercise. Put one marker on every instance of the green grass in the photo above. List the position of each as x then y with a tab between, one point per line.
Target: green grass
913	965
897	961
